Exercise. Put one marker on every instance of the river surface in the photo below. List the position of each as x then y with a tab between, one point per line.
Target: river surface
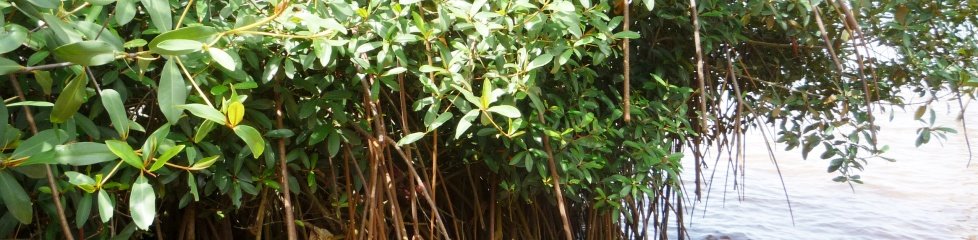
928	193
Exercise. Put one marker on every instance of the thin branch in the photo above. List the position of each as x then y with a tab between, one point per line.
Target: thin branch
700	81
283	170
627	74
55	194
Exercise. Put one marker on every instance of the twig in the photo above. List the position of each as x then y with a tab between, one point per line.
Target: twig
55	195
700	81
561	207
627	73
283	170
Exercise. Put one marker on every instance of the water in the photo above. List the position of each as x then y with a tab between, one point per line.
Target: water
926	194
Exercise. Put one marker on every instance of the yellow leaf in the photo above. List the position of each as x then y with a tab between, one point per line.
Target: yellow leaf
235	113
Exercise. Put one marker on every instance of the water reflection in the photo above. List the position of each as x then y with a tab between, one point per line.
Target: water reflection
927	194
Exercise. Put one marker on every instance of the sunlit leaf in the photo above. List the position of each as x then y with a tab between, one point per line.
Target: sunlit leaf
172	92
105	206
117	111
410	138
506	110
222	58
205	112
160	13
142	203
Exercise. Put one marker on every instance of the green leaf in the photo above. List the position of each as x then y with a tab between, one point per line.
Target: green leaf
125	11
280	133
100	2
205	163
3	126
159	11
649	4
80	179
178	47
12	37
41	142
252	138
62	32
49	4
9	66
410	138
192	183
31	103
486	93
169	154
83	153
202	34
70	99
506	110
205	112
43	78
124	151
153	141
466	122
222	58
105	206
203	130
16	199
142	203
172	92
117	111
83	210
627	35
333	144
86	53
442	118
135	43
540	61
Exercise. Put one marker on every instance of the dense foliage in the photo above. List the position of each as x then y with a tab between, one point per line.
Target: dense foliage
437	119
